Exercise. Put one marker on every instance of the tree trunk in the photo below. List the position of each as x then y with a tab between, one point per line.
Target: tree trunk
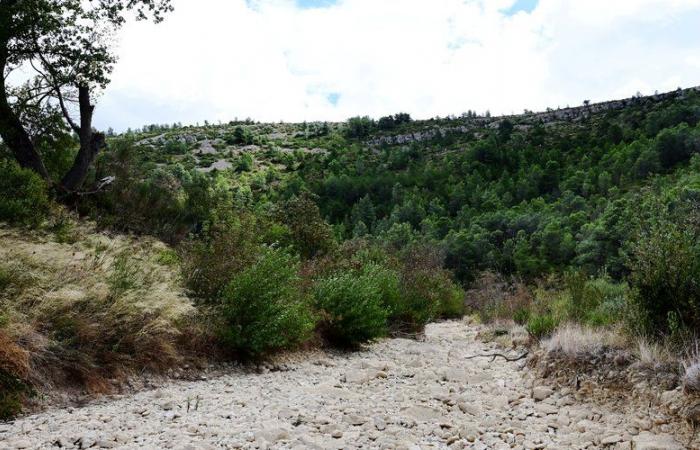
91	143
12	131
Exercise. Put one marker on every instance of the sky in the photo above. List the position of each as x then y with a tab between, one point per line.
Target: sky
328	60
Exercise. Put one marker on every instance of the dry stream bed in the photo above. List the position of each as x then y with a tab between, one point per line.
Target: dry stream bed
398	393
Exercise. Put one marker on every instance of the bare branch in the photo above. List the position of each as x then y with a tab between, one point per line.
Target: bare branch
57	90
499	355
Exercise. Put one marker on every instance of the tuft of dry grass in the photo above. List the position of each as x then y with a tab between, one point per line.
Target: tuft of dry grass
81	312
654	354
574	340
691	377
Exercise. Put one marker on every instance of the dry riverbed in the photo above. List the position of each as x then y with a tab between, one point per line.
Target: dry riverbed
396	394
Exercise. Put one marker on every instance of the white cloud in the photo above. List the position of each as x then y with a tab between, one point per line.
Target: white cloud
220	59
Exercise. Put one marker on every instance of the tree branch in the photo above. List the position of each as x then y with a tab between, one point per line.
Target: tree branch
57	90
497	355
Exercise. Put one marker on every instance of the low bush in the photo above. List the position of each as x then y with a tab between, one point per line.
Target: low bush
428	291
23	195
208	262
540	326
595	302
574	340
665	269
351	307
494	298
263	307
691	377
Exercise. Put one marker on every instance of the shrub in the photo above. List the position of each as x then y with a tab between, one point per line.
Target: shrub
493	297
428	291
14	370
541	325
665	269
223	250
594	302
691	377
23	195
94	317
359	127
310	234
574	340
351	308
263	308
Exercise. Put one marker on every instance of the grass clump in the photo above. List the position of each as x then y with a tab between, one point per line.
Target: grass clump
263	308
98	309
14	373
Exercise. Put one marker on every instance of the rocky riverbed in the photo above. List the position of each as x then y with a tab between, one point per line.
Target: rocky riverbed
398	393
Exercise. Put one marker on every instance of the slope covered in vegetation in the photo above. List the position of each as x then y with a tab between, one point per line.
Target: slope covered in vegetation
287	234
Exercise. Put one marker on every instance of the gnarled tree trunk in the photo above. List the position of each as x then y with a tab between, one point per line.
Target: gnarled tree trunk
12	131
91	143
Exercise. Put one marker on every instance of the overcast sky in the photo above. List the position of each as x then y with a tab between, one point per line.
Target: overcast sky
297	60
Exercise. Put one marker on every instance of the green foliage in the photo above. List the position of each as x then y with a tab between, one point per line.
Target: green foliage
226	248
125	275
245	163
23	195
13	391
428	291
352	309
665	269
359	127
176	147
310	234
263	308
541	326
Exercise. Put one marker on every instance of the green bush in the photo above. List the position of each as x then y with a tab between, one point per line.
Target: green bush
222	250
664	280
352	308
428	291
23	195
12	394
541	326
263	307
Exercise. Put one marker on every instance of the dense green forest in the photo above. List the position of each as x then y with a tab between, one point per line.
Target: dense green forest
344	232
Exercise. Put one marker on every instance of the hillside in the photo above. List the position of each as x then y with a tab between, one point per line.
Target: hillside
524	194
575	230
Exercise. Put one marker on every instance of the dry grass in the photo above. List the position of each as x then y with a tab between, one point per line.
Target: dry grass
82	312
574	340
654	354
691	377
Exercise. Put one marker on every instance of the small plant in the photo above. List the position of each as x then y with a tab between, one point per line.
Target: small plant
124	276
691	378
541	326
14	369
168	257
521	316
